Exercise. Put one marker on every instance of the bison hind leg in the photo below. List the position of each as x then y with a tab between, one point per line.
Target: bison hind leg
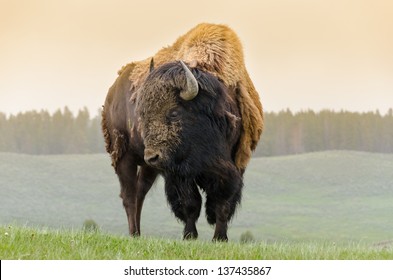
126	170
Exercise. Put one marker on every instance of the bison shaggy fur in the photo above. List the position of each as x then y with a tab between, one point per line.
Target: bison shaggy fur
200	142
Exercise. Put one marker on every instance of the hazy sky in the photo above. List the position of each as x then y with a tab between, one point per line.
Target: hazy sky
301	54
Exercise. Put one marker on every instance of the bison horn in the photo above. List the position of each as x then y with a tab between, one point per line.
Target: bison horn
151	68
192	84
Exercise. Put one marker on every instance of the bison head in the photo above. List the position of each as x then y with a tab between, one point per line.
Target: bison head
182	120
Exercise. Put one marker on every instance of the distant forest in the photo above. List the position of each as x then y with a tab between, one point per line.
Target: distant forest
43	133
285	132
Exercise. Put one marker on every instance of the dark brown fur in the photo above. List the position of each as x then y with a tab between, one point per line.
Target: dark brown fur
203	143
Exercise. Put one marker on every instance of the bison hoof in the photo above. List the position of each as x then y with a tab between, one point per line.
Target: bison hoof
135	234
190	236
220	239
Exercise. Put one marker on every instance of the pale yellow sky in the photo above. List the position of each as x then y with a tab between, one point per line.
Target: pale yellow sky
302	54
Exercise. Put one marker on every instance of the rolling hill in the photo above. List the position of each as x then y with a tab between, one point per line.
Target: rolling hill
337	196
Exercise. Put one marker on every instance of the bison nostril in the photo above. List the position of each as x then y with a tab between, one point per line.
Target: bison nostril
152	157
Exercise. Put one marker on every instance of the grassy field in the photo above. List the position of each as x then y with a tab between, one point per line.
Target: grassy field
331	197
43	244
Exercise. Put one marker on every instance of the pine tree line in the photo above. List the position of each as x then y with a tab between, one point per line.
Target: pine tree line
285	132
307	131
58	133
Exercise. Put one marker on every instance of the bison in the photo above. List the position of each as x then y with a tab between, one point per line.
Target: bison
191	114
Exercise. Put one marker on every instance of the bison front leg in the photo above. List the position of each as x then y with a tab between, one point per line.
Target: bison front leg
222	199
192	209
185	201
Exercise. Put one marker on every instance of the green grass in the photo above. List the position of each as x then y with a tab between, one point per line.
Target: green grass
334	196
28	243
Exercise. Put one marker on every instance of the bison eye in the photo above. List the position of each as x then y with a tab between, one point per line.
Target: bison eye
174	115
